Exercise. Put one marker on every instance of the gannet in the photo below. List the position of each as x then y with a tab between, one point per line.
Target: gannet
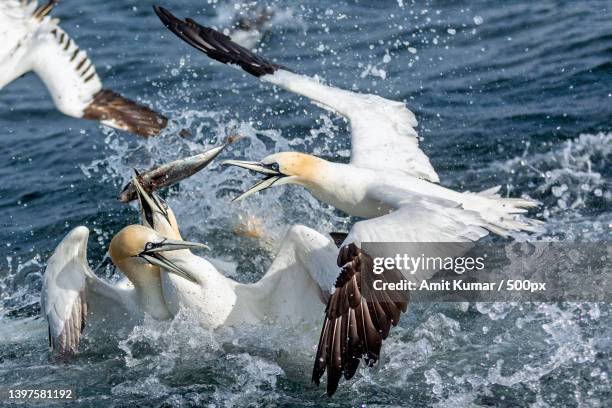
389	181
71	290
73	295
30	40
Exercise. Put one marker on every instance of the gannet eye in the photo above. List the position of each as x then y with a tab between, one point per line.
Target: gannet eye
275	166
149	246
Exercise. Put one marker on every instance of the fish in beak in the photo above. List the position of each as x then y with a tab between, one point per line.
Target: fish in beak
153	254
270	171
173	172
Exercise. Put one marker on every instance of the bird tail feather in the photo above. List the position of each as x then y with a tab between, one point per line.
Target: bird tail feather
503	216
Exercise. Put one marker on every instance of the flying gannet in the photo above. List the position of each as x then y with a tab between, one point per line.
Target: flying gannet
389	181
30	40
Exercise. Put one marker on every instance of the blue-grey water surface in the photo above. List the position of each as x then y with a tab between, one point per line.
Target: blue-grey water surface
513	93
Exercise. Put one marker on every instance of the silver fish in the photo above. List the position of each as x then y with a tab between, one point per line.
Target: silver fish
173	172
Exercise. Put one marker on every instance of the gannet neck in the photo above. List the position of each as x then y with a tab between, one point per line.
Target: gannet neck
345	187
213	296
147	284
176	234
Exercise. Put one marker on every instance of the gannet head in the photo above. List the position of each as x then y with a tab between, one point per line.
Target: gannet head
155	212
282	168
138	251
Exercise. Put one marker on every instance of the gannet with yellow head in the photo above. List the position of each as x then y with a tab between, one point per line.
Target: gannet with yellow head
389	181
72	294
164	276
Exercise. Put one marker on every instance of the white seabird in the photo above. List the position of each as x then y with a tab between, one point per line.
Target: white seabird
389	182
72	293
30	40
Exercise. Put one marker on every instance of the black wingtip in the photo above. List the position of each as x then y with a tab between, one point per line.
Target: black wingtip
164	15
215	44
338	237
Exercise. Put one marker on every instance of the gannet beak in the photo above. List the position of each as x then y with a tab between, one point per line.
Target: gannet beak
171	245
153	255
149	201
252	165
273	175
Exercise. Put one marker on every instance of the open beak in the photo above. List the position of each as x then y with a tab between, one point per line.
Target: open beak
149	201
272	176
153	254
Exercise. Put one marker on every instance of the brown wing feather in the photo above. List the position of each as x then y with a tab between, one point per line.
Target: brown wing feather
115	110
42	11
355	325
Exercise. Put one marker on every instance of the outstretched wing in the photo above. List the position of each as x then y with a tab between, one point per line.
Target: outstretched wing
18	12
64	292
76	89
383	134
355	323
302	269
358	320
70	287
18	20
65	69
33	41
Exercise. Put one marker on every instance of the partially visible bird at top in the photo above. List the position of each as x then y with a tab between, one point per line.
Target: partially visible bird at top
32	41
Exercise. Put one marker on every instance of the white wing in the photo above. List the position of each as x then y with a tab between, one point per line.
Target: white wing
68	283
64	292
35	42
382	131
17	25
420	222
76	89
65	70
32	41
14	16
301	277
420	227
383	134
